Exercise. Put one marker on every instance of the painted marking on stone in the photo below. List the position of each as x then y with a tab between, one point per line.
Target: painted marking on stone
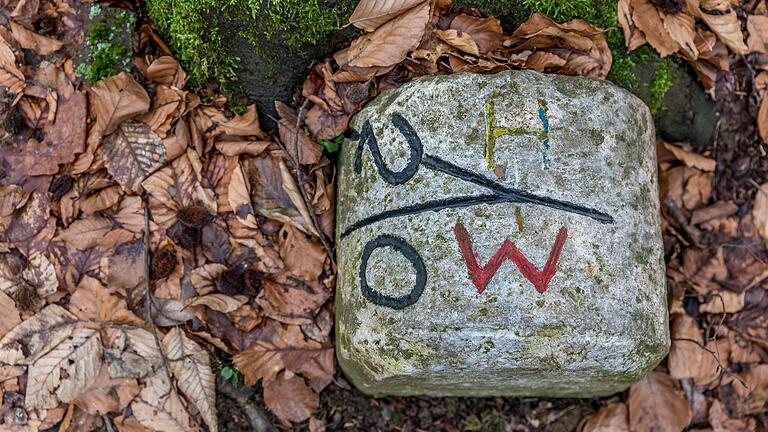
498	193
494	131
519	220
399	245
544	117
482	275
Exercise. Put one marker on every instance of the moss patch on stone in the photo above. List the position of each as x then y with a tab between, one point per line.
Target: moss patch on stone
196	40
108	44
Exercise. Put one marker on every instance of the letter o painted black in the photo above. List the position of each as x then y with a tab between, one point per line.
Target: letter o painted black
411	255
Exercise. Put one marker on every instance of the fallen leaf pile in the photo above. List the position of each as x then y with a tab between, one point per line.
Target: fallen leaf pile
407	39
140	229
144	228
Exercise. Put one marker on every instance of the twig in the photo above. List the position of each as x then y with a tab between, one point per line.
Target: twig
301	178
256	416
716	356
107	423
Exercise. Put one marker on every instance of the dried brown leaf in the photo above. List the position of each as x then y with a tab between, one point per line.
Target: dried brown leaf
10	74
290	300
611	418
722	19
685	354
290	398
648	19
722	422
107	394
190	365
485	32
370	14
657	404
86	233
303	256
757	27
64	372
133	152
459	40
691	159
36	336
166	70
115	100
390	43
9	313
724	301
30	40
219	302
760	211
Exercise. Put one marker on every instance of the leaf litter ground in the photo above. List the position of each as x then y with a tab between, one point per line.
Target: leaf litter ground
152	241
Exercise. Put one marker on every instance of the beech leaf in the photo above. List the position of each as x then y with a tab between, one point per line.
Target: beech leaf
190	365
370	14
657	404
64	372
133	153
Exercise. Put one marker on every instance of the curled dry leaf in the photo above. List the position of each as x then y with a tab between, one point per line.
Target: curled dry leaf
691	159
166	70
370	14
190	365
219	302
10	74
30	40
722	19
486	33
657	404
611	418
388	44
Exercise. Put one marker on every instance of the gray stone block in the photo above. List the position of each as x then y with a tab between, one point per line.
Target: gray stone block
500	235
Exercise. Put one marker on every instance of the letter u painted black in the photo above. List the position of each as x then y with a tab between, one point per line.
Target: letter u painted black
367	136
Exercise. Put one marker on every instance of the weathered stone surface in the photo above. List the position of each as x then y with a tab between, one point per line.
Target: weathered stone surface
585	151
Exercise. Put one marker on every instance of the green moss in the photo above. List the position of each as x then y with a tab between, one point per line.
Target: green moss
188	28
108	44
662	82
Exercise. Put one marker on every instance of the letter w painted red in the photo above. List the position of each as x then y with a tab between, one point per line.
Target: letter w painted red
481	276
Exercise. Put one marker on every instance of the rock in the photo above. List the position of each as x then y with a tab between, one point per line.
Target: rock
685	113
107	50
573	302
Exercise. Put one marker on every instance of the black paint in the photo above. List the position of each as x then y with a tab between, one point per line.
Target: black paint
411	255
367	136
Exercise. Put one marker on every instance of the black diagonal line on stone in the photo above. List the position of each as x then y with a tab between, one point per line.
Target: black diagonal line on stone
513	195
501	194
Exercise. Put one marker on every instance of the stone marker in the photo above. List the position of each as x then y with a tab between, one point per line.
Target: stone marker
499	235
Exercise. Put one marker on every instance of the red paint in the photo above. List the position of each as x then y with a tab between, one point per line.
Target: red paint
481	276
